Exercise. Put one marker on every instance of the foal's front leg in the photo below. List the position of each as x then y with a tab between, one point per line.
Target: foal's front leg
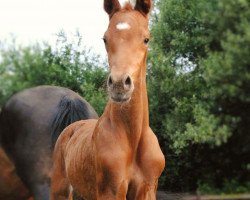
112	183
112	192
141	190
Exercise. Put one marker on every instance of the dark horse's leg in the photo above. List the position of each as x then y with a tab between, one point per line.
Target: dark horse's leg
41	191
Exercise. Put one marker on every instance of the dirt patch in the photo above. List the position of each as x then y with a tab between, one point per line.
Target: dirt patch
162	195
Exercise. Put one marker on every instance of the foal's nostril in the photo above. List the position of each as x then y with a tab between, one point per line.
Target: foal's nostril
110	82
128	81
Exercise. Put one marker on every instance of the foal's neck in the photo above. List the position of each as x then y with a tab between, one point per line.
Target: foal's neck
132	117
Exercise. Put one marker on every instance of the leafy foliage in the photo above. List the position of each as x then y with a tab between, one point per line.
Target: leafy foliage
199	79
68	65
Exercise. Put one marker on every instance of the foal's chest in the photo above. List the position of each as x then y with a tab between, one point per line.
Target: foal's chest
131	172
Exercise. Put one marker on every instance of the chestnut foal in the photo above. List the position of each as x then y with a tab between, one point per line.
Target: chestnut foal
118	156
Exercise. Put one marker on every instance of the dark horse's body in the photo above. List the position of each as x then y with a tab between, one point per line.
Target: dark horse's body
27	122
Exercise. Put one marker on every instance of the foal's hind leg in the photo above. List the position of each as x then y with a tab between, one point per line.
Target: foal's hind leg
60	187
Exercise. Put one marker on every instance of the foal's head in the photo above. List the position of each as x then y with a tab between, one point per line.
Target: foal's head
126	43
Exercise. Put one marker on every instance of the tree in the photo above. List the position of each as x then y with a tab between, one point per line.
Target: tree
67	65
199	78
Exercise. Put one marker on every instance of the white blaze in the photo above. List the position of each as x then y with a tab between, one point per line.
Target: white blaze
123	2
122	26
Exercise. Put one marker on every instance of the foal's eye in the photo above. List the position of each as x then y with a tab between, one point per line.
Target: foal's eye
146	40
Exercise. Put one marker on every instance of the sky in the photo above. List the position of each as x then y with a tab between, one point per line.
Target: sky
33	21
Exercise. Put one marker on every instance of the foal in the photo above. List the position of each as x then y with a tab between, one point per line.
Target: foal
118	156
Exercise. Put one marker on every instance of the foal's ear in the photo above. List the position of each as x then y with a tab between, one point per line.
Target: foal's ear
111	6
143	6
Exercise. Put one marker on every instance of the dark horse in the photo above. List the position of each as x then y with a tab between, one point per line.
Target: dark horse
28	121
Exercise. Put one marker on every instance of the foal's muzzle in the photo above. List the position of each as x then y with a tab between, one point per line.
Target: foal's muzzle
121	90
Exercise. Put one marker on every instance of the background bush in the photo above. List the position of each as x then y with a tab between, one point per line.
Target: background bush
199	78
69	64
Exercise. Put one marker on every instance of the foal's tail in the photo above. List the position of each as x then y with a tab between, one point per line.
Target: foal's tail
70	110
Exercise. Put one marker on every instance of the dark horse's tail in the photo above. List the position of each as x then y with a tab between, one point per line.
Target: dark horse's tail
1	119
70	110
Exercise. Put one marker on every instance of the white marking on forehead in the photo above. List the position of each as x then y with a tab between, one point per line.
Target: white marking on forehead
123	26
123	2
